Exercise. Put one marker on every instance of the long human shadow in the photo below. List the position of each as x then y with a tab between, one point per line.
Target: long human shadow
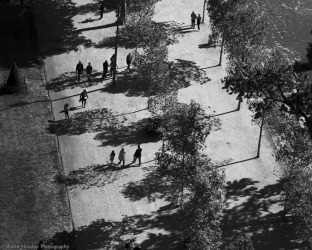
89	121
69	80
155	185
253	215
130	134
106	234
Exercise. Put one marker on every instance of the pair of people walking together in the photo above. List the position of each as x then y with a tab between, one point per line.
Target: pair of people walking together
194	19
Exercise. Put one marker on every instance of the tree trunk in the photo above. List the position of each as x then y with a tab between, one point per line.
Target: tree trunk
221	51
309	125
285	207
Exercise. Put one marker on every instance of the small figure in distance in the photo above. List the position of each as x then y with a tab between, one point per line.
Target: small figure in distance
89	71
101	10
83	98
79	69
137	155
198	21
66	110
129	61
121	157
112	157
105	69
193	18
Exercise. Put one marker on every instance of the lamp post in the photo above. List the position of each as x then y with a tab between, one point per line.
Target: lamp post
204	11
116	44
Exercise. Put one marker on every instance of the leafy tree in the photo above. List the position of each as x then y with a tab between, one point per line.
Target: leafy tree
294	152
268	81
185	129
201	214
239	26
140	28
247	29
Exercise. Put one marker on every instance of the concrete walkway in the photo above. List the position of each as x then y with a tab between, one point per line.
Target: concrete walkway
114	203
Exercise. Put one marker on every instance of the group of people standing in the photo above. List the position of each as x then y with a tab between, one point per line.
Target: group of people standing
195	18
122	156
112	65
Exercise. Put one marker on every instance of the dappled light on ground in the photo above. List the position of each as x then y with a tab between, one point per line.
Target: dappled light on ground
256	215
89	121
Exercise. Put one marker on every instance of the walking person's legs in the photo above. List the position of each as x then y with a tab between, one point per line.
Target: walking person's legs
66	115
139	160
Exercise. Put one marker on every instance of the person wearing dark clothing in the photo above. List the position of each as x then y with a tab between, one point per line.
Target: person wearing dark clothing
89	72
79	69
129	60
198	21
112	67
137	155
112	64
193	18
101	9
66	110
83	98
105	69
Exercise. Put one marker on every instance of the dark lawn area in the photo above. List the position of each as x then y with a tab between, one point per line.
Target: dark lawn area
33	205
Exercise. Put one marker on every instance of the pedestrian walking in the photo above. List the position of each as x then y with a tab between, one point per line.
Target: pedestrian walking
129	61
112	67
79	69
121	157
105	69
113	58
198	21
137	155
193	18
112	156
101	10
89	71
66	110
83	98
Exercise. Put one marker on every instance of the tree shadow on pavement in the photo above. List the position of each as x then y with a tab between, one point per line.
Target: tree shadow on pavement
58	34
89	121
95	175
69	80
155	185
186	72
103	234
253	215
130	134
181	71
